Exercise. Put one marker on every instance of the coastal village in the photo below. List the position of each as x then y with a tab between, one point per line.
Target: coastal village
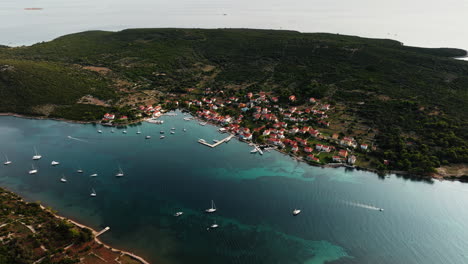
299	127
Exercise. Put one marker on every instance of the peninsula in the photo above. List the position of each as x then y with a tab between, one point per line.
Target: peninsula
325	98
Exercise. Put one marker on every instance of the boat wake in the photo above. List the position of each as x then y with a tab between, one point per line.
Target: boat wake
365	206
77	139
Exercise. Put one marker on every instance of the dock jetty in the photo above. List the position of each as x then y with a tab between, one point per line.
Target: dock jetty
203	142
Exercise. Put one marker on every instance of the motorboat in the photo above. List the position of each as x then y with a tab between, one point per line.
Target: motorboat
148	137
296	212
54	163
178	214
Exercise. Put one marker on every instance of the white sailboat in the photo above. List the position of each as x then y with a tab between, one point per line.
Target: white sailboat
148	137
93	193
99	131
125	131
54	163
93	175
120	173
138	132
79	170
63	179
296	212
212	209
172	132
7	162
112	130
33	170
36	155
161	137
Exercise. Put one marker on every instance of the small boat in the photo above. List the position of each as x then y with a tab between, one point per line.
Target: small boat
214	225
93	175
99	131
202	123
124	132
54	163
172	132
296	212
120	173
184	129
161	132
147	137
161	137
33	170
381	209
253	151
212	209
112	130
201	140
63	179
138	132
178	214
36	155
173	128
93	193
79	170
7	162
187	118
215	140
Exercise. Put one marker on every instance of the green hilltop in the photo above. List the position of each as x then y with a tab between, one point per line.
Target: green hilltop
412	102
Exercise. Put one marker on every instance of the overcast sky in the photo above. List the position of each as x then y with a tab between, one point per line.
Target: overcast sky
426	23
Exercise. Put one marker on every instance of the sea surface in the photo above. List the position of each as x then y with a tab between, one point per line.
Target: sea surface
422	222
426	23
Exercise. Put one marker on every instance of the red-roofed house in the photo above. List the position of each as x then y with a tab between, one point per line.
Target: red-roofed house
308	149
292	98
343	153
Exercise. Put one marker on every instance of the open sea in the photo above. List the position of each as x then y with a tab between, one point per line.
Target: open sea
423	222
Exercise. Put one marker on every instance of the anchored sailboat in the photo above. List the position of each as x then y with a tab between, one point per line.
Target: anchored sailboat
36	155
7	162
63	179
120	173
93	193
54	163
33	170
296	212
212	209
138	132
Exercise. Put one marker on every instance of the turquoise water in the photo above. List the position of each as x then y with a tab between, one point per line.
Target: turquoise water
423	222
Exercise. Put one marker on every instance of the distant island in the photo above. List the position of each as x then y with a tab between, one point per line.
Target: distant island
327	99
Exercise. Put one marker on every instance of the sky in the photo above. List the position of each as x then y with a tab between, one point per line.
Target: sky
425	23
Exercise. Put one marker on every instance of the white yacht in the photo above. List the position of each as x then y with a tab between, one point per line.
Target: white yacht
93	175
178	214
79	170
54	163
212	209
148	137
120	173
172	132
253	151
33	170
63	179
138	132
7	161
161	137
99	131
296	212
124	132
161	132
36	155
173	128
93	193
202	123
184	129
